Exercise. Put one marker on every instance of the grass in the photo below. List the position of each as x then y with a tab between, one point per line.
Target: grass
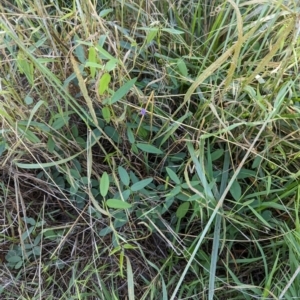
149	150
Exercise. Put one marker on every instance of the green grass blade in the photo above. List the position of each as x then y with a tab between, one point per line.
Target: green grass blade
130	280
216	240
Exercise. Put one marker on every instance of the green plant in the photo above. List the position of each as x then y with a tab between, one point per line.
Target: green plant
29	249
153	148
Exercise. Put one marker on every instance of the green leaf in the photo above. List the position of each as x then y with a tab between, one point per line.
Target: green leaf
75	174
128	246
103	13
166	205
111	65
122	91
96	133
104	83
175	191
28	100
28	134
170	131
130	135
92	58
25	67
123	175
75	131
236	190
14	259
2	147
105	231
149	148
182	210
141	184
130	280
80	141
60	122
27	233
256	162
19	265
40	126
102	40
37	250
115	250
104	53
32	137
173	175
245	173
95	192
84	180
30	221
267	215
73	189
152	32
126	194
173	31
93	65
51	234
118	204
104	184
112	133
79	50
259	216
134	149
182	67
217	154
33	111
198	162
106	114
143	133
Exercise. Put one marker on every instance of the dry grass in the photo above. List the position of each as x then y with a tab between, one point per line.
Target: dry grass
149	150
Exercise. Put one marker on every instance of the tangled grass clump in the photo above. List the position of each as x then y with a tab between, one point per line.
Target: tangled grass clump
149	150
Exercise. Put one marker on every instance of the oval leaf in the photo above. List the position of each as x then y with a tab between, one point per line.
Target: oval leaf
28	100
60	122
182	210
173	176
103	83
118	204
141	184
14	259
103	13
182	68
130	136
104	184
106	114
105	231
111	65
126	194
236	190
217	154
112	133
123	175
149	148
